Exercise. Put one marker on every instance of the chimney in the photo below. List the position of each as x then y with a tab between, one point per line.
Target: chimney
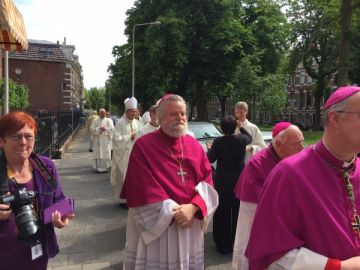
64	43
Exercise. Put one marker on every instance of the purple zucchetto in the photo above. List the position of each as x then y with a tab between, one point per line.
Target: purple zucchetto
340	94
279	127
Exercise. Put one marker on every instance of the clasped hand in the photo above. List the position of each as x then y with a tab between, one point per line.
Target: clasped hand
184	214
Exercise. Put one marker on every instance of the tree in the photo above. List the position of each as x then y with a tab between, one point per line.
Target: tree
95	98
346	12
315	43
196	49
18	95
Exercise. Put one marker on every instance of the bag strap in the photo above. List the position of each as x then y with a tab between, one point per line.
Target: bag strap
4	186
49	178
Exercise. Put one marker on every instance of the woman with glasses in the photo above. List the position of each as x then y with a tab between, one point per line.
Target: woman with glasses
28	184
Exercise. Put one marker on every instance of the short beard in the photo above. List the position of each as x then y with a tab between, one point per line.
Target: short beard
175	130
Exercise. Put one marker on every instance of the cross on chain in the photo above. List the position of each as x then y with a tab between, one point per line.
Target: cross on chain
356	223
182	173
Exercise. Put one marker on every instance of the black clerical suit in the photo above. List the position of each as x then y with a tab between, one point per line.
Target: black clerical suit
229	152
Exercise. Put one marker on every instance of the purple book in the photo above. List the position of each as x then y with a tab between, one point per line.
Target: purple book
64	207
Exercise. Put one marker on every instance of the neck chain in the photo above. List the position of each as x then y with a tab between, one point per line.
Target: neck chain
355	218
181	172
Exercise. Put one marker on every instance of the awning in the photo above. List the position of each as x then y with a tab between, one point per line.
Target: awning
12	28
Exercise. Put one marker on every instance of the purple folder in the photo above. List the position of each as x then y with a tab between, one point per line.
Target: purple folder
64	207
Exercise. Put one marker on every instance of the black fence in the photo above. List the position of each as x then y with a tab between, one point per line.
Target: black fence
54	130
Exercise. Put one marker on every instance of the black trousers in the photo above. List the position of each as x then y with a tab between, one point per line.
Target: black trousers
225	221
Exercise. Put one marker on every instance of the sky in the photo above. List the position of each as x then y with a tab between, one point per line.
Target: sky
93	27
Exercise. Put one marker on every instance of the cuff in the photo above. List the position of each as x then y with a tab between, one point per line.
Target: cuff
199	202
333	264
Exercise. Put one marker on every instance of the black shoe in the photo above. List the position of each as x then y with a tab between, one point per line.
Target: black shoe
90	150
123	205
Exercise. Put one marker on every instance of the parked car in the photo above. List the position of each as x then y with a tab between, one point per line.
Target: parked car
204	132
267	136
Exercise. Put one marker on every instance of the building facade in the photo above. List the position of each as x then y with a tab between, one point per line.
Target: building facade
52	73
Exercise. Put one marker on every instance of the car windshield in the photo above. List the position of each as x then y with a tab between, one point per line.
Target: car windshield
204	131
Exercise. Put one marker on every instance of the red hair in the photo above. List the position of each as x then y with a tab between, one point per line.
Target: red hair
14	121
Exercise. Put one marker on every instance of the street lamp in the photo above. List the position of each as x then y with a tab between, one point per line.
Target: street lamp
133	54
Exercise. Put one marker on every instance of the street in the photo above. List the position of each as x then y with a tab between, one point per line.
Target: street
95	239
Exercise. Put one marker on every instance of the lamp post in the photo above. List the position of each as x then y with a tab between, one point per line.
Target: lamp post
133	53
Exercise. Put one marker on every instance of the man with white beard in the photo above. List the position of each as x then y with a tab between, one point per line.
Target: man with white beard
122	143
170	194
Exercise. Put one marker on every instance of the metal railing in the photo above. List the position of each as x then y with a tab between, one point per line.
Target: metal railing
54	130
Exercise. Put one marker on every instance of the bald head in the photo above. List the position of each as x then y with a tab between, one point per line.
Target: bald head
288	142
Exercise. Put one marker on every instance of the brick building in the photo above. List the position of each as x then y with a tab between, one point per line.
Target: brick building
53	74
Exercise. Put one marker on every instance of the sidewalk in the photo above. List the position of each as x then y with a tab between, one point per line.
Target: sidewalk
95	239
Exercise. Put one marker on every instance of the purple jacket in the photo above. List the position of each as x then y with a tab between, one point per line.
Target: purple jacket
46	198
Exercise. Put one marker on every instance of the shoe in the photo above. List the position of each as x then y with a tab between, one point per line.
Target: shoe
123	205
90	150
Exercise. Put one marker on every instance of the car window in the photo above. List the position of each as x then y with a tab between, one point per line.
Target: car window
205	131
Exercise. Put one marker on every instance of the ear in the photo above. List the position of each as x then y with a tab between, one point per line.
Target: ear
334	118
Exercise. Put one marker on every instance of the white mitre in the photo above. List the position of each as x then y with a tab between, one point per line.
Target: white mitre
130	103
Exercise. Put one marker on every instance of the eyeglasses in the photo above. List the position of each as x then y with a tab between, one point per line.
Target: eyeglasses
358	113
18	137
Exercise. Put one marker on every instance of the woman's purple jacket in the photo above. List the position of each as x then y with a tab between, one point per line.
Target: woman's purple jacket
47	196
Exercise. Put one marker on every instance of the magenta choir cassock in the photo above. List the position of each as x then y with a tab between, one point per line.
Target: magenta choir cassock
297	207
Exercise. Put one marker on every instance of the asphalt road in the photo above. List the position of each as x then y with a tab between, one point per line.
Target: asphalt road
95	239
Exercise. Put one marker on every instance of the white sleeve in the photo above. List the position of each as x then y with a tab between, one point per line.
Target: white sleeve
258	142
153	219
299	259
243	229
211	199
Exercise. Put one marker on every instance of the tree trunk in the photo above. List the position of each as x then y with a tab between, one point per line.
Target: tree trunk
319	93
201	102
345	27
223	105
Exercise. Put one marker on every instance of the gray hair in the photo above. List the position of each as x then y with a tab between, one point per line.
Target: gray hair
153	108
242	105
162	105
336	107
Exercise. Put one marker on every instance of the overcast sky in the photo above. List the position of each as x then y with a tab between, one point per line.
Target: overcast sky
94	27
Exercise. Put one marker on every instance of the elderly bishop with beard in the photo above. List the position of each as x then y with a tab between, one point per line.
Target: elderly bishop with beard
170	194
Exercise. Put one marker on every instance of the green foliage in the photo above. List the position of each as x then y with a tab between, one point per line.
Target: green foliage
95	98
197	50
18	95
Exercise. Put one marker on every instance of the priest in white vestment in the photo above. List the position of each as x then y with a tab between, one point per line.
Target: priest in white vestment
170	194
122	143
152	124
102	130
257	143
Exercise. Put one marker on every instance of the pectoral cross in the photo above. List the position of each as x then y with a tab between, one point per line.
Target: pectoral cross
181	173
356	223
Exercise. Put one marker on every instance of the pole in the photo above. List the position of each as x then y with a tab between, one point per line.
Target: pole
133	54
6	82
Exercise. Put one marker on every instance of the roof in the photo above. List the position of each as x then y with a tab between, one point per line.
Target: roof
40	51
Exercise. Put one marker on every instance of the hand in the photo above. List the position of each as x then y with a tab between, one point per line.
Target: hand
133	136
249	148
208	145
239	124
5	212
102	129
60	222
184	214
352	263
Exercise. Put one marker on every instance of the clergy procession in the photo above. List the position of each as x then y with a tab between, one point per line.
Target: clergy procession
279	206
